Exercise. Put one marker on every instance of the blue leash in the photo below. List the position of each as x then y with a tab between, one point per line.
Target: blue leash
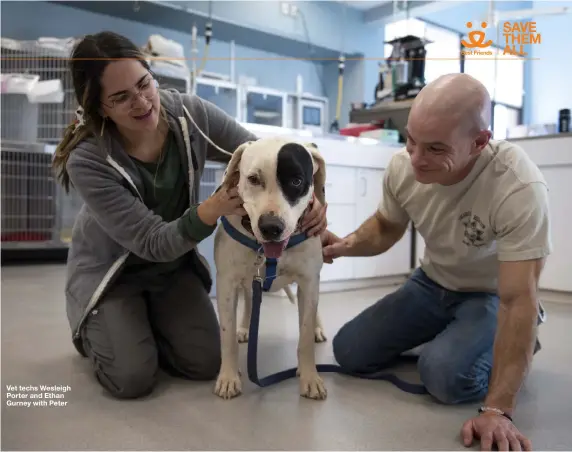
263	284
252	356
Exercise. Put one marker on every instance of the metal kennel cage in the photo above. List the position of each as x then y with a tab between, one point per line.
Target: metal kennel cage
212	177
41	122
35	211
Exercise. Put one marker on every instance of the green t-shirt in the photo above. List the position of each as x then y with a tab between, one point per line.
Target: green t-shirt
166	192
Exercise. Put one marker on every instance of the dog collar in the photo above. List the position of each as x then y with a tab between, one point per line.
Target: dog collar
271	263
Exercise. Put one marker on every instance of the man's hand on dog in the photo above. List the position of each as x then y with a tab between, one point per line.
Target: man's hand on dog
221	203
334	246
315	221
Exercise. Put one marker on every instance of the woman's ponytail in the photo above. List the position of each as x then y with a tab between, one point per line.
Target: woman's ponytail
73	135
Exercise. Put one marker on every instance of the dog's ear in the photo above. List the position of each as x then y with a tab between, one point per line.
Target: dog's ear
231	175
319	172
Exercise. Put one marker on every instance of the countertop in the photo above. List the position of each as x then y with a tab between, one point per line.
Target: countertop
542	137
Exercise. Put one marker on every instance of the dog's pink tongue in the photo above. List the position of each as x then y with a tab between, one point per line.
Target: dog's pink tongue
274	249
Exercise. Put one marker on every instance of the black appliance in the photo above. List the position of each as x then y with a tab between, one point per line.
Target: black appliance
407	62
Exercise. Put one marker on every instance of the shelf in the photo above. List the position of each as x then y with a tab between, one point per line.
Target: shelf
396	112
179	18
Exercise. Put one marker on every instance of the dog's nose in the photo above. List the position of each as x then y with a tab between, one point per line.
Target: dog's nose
270	226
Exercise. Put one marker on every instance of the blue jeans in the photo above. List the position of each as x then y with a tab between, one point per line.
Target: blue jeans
457	328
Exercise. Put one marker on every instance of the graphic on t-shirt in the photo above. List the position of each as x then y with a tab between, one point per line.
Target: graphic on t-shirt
474	229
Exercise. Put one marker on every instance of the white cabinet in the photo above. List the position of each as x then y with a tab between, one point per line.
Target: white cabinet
556	272
340	195
396	261
340	185
369	183
553	155
353	195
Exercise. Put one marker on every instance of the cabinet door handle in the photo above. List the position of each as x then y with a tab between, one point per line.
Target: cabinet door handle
364	186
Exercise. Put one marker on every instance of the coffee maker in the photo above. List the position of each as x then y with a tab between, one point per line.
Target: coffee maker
407	63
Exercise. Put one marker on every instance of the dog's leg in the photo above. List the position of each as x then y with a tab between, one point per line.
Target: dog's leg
311	384
319	334
228	384
290	294
243	329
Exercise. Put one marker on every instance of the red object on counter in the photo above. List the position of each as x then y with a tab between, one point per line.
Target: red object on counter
356	130
26	237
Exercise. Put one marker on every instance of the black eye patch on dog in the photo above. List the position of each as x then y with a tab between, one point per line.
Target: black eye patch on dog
294	171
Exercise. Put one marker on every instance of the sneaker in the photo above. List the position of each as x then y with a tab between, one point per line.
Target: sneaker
541	313
540	321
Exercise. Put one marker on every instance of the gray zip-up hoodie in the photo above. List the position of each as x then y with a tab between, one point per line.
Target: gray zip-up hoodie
115	222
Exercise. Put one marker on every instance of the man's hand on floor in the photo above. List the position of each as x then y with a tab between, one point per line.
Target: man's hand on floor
493	429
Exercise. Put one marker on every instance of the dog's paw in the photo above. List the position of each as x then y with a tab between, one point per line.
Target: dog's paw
319	335
242	335
312	386
228	385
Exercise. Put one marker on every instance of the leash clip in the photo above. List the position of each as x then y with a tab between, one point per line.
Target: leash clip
259	262
258	278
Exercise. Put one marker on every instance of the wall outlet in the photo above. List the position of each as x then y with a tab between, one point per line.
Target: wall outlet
293	9
289	9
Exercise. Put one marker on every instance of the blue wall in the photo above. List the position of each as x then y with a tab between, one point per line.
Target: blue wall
323	22
27	20
324	19
327	24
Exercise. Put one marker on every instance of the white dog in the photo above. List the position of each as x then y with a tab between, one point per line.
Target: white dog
276	180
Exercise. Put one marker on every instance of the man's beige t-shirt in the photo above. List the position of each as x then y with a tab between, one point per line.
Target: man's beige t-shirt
499	212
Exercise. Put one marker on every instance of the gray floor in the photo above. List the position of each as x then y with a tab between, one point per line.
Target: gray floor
358	415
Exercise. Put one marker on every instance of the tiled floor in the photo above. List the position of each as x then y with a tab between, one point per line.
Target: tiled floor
179	415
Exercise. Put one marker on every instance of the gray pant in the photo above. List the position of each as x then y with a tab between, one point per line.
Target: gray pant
134	332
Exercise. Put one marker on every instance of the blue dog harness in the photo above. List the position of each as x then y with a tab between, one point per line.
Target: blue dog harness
271	263
260	285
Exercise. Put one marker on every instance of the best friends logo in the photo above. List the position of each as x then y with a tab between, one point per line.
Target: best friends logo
515	36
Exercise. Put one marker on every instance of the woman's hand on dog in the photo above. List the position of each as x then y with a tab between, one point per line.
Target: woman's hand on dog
315	221
219	204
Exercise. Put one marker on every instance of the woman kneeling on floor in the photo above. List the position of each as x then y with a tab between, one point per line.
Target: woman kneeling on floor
137	289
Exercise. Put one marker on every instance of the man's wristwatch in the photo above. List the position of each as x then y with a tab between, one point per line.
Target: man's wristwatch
489	409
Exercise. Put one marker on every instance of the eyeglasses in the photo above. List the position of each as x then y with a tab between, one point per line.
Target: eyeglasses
147	89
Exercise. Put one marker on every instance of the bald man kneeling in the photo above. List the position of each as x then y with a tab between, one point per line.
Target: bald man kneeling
481	206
